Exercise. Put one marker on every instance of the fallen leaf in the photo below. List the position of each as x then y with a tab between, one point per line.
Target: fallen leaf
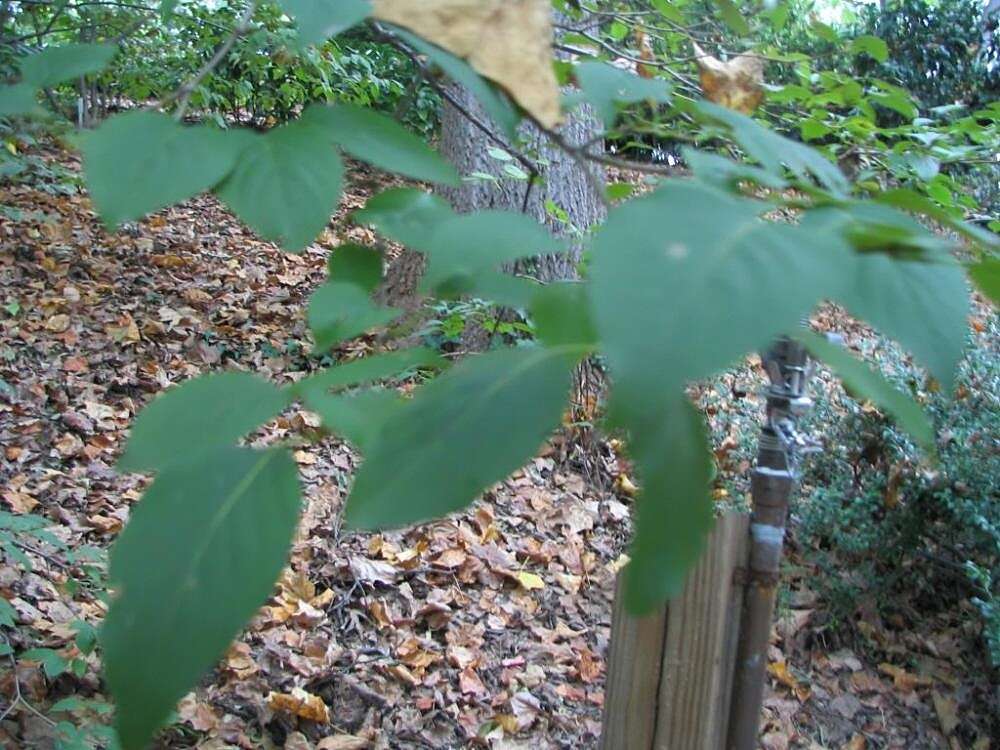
300	703
903	680
529	581
947	711
343	742
779	670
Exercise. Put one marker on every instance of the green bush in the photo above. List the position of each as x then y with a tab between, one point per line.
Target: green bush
880	516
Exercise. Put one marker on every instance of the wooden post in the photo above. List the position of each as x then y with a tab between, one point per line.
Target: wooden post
670	673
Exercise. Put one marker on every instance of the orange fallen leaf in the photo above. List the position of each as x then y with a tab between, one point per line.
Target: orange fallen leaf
779	670
300	703
903	680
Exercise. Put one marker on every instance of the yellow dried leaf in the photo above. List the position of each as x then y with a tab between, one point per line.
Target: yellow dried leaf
626	485
508	41
947	712
737	84
779	670
300	703
529	581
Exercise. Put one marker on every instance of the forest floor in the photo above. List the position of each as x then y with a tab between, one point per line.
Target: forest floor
487	629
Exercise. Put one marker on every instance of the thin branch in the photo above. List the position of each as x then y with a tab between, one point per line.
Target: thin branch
183	94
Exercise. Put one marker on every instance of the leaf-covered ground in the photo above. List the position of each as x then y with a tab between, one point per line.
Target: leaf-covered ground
487	629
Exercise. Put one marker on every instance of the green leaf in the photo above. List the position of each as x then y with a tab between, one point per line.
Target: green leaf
7	613
52	661
198	557
871	46
728	174
286	184
460	247
57	64
139	162
494	102
17	100
374	138
199	416
870	385
772	151
561	314
339	311
462	432
359	417
986	275
684	282
404	214
86	636
668	11
355	264
368	369
318	20
913	201
732	16
606	87
503	289
668	441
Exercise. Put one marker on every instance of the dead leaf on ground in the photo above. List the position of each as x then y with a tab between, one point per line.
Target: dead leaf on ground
300	703
343	742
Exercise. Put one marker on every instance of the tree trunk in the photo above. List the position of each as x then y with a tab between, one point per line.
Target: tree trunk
572	187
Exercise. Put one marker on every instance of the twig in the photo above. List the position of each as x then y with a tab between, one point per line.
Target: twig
18	697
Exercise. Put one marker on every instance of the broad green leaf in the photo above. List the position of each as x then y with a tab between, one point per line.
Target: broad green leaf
868	384
17	100
561	314
922	304
728	174
772	151
199	555
359	417
986	275
462	432
404	214
688	279
52	661
460	247
374	138
57	64
339	311
732	16
368	369
287	183
355	264
872	46
668	11
913	201
503	289
909	289
7	613
318	20
494	102
667	439
198	416
139	162
606	87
